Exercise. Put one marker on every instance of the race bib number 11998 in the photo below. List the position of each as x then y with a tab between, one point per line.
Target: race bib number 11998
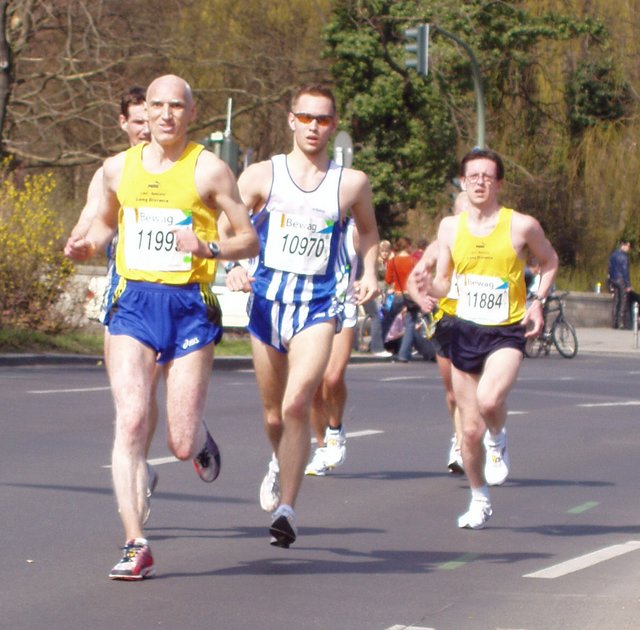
149	241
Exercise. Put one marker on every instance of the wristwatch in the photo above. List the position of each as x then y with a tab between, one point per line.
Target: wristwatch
214	248
542	300
232	264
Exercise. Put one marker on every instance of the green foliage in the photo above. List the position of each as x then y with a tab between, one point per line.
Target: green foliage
32	341
90	341
256	52
558	108
401	128
594	95
33	269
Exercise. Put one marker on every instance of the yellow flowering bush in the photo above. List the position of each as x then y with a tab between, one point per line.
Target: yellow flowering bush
33	269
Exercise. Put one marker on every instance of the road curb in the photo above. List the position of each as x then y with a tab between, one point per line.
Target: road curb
225	363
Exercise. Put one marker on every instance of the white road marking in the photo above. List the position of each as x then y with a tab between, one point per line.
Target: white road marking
158	461
68	391
390	379
397	627
586	561
354	434
625	403
517	413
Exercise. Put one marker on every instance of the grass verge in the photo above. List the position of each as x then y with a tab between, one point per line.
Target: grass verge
89	341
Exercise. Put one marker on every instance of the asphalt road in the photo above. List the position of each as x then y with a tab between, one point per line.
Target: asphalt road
378	547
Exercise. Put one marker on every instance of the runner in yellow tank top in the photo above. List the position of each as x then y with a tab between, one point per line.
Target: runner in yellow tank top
489	273
487	248
172	194
152	207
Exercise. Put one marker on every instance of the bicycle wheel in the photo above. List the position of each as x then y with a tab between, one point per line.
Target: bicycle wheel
533	347
364	334
565	338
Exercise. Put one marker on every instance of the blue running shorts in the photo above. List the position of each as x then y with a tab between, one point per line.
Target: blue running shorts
471	344
173	320
276	323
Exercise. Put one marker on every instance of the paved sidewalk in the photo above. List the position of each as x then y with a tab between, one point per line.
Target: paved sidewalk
607	341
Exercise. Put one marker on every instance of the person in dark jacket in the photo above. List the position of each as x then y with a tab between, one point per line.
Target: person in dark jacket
620	284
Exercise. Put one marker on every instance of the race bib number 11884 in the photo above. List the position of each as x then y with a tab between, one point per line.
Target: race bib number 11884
483	299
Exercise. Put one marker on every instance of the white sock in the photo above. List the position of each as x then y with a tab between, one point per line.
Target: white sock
285	510
480	494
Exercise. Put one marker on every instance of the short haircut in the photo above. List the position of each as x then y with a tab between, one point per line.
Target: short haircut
314	89
479	154
402	242
135	95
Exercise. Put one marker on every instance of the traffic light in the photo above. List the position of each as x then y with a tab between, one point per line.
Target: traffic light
418	48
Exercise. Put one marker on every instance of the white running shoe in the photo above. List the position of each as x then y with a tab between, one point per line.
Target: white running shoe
477	516
496	468
455	458
318	466
270	487
335	446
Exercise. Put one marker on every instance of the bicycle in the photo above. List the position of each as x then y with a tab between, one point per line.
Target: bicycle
557	331
363	336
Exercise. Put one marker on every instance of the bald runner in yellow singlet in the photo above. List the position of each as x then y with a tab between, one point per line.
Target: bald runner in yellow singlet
165	198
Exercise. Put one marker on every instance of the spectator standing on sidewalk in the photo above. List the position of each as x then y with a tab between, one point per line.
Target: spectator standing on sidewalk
620	284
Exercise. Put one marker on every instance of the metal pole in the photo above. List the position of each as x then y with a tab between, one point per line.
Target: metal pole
635	324
477	82
227	131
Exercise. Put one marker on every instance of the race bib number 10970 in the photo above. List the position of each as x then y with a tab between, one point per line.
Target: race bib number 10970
298	244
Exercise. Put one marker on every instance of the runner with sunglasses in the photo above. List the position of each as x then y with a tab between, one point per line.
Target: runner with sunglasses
299	202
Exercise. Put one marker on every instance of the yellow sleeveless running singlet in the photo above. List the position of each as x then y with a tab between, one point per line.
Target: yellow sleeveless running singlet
490	274
151	206
448	304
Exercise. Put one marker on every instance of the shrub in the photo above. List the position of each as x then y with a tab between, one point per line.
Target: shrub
33	269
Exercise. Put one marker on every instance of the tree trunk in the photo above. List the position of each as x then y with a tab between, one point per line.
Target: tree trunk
5	70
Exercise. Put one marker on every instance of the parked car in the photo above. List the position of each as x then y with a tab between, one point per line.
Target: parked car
232	303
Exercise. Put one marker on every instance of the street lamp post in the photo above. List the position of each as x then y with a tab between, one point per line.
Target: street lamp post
419	59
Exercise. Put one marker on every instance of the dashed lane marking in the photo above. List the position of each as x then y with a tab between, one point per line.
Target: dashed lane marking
579	509
458	562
